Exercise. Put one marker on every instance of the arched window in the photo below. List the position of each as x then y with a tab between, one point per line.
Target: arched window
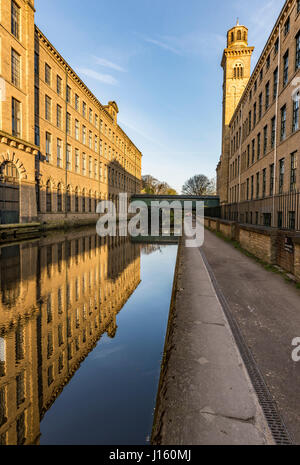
232	37
76	200
245	35
48	197
68	199
239	35
9	171
238	71
59	198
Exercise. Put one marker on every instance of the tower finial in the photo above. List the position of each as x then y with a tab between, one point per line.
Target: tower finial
237	22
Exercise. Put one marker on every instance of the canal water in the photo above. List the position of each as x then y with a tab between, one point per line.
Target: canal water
82	328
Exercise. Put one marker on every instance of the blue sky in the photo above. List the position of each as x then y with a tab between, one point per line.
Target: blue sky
160	61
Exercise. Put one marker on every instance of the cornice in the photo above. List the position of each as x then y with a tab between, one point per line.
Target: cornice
20	144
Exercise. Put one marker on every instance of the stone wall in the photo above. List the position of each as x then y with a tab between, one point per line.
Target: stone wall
273	246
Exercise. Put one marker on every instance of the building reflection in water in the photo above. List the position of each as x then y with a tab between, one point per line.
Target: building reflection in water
58	295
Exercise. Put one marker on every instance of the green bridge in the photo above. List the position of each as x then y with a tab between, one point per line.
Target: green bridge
209	200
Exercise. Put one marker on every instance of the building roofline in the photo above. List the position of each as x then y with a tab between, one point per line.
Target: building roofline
80	81
286	5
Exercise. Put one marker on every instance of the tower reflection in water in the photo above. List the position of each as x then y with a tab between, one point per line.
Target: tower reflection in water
58	295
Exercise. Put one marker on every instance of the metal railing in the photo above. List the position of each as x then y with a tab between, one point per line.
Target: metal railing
278	211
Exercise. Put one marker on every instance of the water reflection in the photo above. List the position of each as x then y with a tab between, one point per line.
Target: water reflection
58	296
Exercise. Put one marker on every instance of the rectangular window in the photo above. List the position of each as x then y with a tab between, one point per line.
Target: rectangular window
47	74
285	68
268	62
254	114
16	118
264	182
293	171
77	160
36	101
252	187
90	167
58	85
36	64
258	145
68	94
59	153
76	102
48	146
68	122
15	68
260	98
298	51
90	115
250	121
273	132
83	164
257	186
84	109
37	135
275	83
283	123
15	19
76	129
69	158
96	144
261	75
20	387
276	46
292	220
96	121
265	139
271	179
58	116
253	150
96	169
267	95
296	113
267	219
47	108
90	140
281	175
83	134
287	26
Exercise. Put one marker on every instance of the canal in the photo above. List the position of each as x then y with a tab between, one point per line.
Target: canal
82	328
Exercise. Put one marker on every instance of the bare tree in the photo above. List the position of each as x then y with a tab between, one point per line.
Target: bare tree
199	185
151	185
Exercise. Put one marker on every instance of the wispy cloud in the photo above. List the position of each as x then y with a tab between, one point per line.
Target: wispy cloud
105	78
193	43
162	44
108	64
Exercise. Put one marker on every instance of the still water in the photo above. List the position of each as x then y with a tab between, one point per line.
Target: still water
82	328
